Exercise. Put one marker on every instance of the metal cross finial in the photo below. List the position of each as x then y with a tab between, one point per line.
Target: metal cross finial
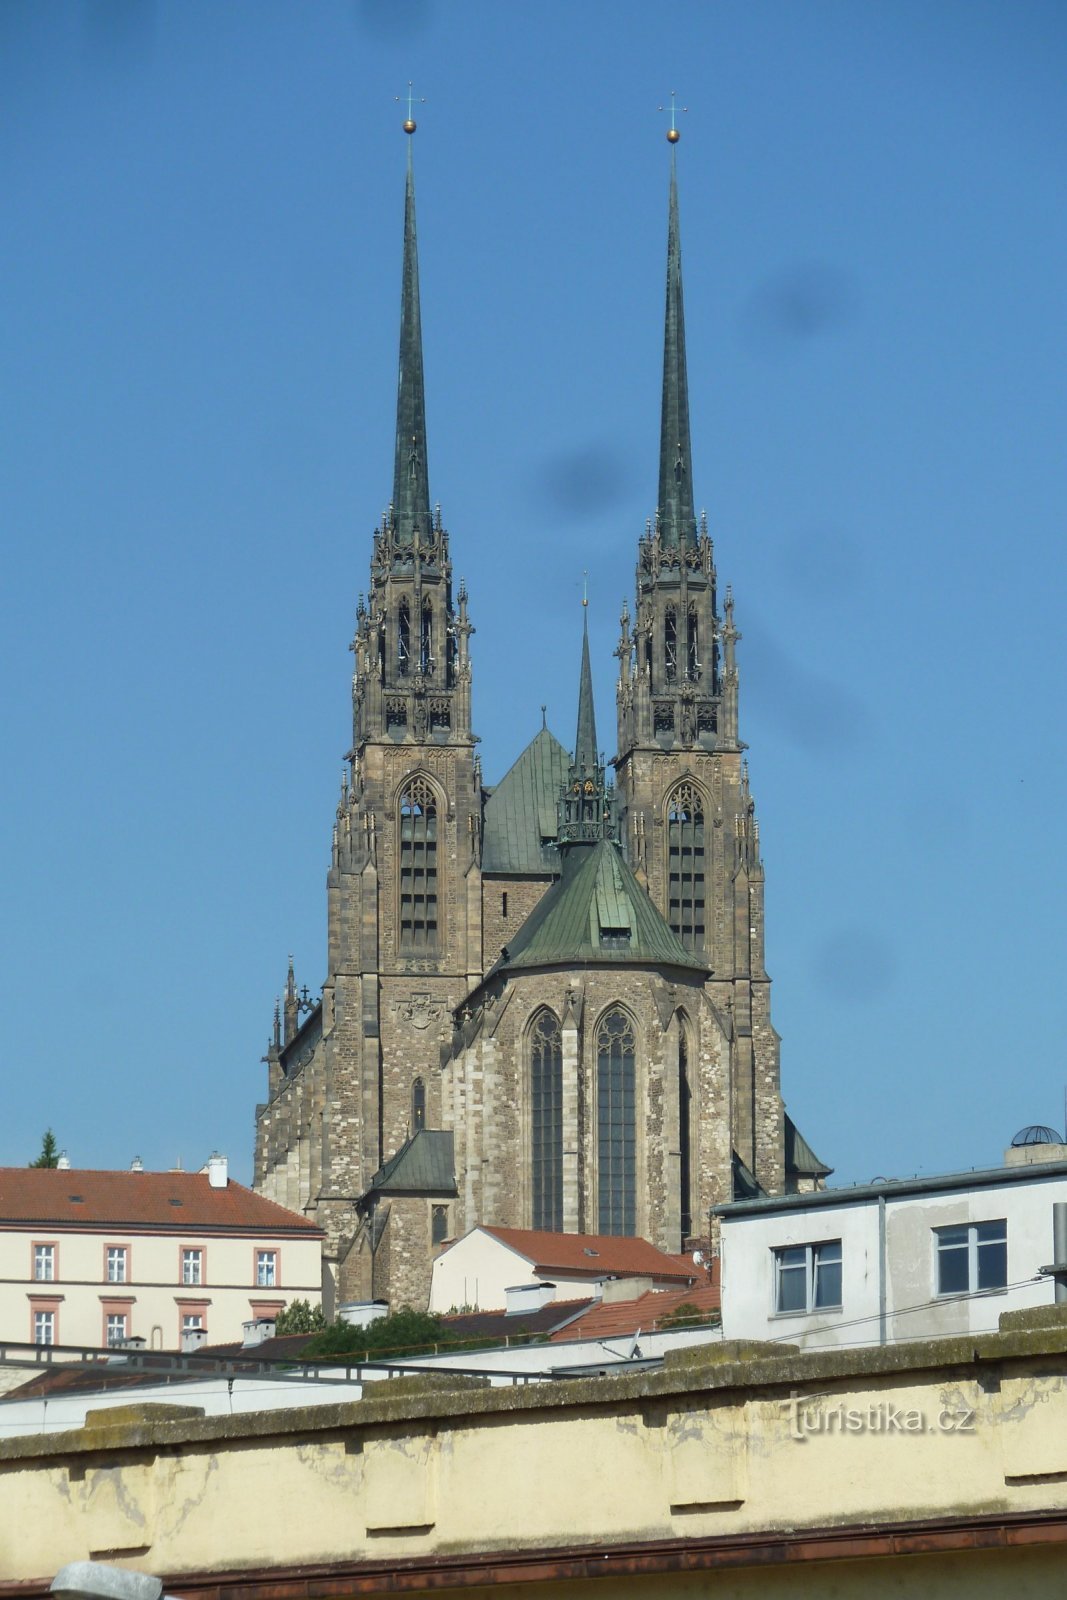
585	588
673	134
409	125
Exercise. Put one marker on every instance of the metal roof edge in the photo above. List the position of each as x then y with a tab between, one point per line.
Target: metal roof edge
983	1178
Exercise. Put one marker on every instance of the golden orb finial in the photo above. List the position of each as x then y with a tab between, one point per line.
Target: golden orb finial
672	134
409	122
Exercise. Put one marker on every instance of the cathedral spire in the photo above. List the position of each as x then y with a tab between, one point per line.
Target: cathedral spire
411	484
676	518
585	751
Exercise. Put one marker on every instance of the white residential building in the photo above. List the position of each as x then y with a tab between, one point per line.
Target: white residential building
888	1261
100	1258
477	1271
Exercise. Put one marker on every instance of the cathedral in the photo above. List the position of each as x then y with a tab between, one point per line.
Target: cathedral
545	1004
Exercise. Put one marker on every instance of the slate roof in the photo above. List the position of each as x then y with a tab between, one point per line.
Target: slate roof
642	1315
503	1325
521	818
582	916
174	1202
593	1255
426	1164
800	1158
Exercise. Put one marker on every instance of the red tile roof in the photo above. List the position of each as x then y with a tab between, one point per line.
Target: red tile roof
643	1315
172	1201
594	1255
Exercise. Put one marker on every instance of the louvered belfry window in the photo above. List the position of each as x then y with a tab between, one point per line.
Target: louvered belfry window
418	868
546	1123
685	865
616	1129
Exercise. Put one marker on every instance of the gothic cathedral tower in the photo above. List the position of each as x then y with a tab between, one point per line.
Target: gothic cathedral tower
688	820
351	1085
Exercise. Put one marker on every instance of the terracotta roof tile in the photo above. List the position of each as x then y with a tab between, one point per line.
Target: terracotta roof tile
644	1314
174	1201
594	1255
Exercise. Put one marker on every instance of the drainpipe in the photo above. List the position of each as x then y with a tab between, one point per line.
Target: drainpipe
1059	1246
881	1269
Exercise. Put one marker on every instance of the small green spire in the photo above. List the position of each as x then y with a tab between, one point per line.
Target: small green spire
411	482
676	516
585	751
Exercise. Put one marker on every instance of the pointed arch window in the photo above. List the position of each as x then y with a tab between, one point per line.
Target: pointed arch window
403	638
546	1123
418	868
685	865
670	643
418	1105
685	1165
692	646
616	1127
426	638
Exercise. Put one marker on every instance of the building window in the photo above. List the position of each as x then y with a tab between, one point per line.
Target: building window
670	643
403	639
692	661
616	1132
426	662
546	1124
438	1224
685	865
44	1327
418	868
972	1256
418	1105
117	1325
116	1263
192	1266
685	1095
192	1321
44	1263
266	1269
807	1277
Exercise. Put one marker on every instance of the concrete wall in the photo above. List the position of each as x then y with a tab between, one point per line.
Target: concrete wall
719	1463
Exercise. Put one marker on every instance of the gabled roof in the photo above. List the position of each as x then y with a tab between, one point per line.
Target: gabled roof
426	1164
596	912
593	1255
520	821
800	1158
509	1324
644	1314
175	1202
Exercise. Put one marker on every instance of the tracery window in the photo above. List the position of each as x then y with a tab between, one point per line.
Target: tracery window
616	1129
418	868
403	638
692	665
685	865
685	1096
670	642
418	1105
426	638
546	1123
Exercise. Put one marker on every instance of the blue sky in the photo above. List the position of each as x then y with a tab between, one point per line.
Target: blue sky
202	229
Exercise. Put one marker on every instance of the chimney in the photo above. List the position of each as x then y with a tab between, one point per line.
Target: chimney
63	1164
136	1165
528	1297
192	1339
256	1331
217	1170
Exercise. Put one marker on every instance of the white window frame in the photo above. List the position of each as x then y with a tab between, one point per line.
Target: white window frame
44	1263
943	1249
192	1268
812	1259
266	1269
117	1259
44	1327
118	1328
192	1321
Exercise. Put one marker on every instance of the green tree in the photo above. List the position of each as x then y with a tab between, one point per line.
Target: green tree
300	1316
405	1333
49	1156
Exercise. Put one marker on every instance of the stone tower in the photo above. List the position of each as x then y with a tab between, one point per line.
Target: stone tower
688	820
404	885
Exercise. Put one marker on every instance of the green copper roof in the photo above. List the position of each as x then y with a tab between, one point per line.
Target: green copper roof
520	820
426	1164
596	912
585	751
411	483
800	1158
677	517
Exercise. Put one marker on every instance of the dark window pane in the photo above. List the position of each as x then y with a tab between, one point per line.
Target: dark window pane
952	1271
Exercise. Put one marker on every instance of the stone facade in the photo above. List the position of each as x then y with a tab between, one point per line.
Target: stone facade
423	1022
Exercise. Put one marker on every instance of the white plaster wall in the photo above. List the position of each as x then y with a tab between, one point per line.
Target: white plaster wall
476	1273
